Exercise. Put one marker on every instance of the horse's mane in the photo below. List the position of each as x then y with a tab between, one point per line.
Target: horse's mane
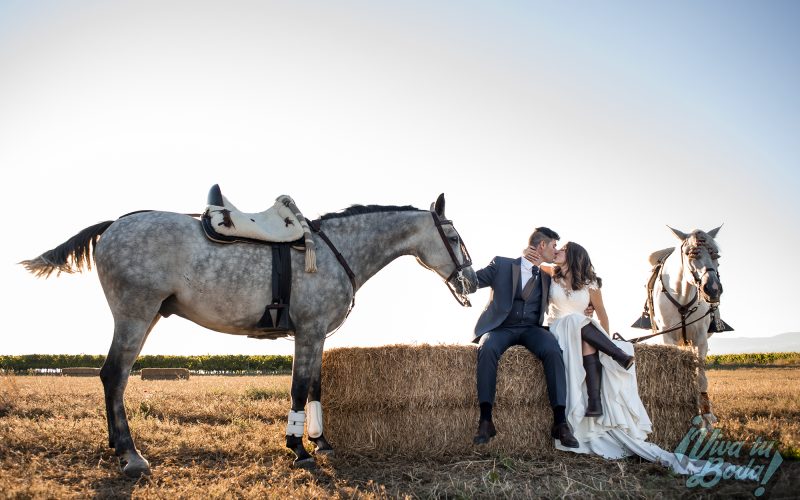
367	209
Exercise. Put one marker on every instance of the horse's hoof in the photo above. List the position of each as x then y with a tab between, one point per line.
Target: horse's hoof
135	468
321	446
304	463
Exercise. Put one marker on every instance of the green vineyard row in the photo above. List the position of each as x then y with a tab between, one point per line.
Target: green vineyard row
237	363
199	364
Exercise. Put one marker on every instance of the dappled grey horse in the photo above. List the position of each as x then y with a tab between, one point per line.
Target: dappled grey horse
154	264
685	298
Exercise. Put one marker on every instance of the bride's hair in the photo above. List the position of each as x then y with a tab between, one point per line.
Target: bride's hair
580	267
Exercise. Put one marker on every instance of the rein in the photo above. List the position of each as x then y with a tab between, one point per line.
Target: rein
682	326
316	226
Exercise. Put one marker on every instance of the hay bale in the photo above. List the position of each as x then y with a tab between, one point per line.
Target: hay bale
81	371
667	382
438	432
415	401
165	373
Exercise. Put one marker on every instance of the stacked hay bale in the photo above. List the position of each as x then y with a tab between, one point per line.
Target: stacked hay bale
81	371
667	380
421	401
165	373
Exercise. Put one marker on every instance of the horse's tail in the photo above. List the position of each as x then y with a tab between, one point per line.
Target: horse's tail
70	256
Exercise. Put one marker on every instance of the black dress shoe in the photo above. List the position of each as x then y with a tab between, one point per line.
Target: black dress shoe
564	435
486	431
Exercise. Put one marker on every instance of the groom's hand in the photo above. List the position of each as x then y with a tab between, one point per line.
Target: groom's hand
532	255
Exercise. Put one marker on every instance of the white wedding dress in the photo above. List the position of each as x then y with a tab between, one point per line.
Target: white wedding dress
623	428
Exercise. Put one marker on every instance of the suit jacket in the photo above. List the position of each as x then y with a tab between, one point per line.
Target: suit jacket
502	274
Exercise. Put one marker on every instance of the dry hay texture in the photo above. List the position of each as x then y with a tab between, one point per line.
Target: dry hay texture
414	401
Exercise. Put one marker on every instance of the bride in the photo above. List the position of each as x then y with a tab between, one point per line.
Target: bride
603	405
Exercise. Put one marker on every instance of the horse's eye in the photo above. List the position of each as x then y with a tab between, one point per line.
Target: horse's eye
454	239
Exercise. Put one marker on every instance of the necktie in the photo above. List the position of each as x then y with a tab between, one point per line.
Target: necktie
528	290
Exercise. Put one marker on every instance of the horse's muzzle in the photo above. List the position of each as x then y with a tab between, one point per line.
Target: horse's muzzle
468	281
462	284
712	291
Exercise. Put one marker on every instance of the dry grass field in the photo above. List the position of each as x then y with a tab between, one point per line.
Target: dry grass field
222	437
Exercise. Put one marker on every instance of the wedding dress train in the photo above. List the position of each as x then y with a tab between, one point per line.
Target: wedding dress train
623	428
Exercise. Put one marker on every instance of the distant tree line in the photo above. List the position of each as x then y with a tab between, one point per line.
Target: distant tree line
211	364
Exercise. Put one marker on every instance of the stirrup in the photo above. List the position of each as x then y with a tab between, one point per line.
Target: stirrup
276	319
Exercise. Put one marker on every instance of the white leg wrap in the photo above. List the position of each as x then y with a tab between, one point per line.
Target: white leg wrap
314	419
295	427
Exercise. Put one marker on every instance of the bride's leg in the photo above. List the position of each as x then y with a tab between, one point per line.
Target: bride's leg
587	349
600	341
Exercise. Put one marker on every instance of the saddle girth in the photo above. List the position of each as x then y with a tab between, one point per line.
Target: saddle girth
276	315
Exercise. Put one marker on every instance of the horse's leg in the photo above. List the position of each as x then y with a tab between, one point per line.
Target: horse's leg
305	357
315	420
702	382
129	337
110	412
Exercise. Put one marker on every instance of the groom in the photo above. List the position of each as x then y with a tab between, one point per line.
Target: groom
514	317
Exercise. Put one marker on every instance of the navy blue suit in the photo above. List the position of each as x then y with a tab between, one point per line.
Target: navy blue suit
508	320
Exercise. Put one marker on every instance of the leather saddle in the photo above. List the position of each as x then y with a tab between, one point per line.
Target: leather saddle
281	226
225	223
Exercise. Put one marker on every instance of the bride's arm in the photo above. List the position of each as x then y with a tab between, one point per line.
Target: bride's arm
548	268
596	299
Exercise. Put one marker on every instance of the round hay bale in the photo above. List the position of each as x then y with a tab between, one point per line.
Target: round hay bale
165	373
81	371
421	400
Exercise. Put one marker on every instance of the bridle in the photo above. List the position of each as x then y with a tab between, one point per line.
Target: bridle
458	272
697	278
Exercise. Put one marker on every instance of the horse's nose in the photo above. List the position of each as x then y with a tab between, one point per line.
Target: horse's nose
472	280
713	288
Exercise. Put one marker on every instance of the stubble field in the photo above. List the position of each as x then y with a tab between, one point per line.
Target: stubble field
223	437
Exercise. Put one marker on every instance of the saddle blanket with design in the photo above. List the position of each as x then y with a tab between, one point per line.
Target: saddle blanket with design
281	223
277	224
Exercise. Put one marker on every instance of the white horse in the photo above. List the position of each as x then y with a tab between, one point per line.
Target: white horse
685	300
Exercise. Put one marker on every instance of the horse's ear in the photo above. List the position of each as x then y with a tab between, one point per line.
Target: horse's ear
438	207
713	232
680	234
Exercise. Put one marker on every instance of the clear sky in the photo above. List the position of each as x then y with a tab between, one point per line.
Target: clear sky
606	121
